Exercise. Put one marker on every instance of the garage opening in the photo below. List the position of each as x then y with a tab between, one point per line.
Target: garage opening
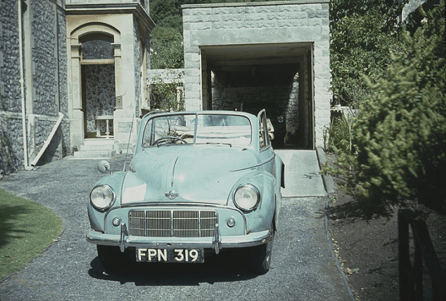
275	77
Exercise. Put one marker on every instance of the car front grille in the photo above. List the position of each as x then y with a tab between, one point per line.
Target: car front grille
172	223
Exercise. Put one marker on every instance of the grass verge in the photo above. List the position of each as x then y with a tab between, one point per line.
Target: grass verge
26	229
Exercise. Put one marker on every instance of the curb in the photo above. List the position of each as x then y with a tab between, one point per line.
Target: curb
328	180
338	265
329	188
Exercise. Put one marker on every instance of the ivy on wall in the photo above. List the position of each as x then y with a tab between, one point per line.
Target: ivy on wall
166	96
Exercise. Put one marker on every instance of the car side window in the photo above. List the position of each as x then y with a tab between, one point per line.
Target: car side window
147	137
263	131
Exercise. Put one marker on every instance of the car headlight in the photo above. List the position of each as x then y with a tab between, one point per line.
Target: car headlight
247	197
102	197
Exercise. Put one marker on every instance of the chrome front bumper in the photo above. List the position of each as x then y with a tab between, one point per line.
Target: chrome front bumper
124	240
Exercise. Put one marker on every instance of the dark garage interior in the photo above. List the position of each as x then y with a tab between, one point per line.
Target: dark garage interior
274	77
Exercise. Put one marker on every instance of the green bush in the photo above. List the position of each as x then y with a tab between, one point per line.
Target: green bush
167	49
338	135
361	33
400	132
163	96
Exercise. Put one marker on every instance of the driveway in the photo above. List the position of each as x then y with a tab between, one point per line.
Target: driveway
302	267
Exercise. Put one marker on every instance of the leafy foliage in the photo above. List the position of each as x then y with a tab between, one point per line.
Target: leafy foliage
164	96
361	34
400	132
338	136
167	49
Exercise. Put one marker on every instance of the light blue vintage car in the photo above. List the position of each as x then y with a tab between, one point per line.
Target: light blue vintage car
198	182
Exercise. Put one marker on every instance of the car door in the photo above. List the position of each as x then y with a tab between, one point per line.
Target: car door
267	157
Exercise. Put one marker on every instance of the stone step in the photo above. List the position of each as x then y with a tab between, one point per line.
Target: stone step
97	147
94	154
99	141
126	148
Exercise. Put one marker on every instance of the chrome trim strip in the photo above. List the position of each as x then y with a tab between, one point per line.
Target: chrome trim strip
123	238
254	166
216	241
178	206
172	204
202	219
243	241
172	179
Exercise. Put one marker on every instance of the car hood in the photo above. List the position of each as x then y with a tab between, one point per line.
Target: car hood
198	174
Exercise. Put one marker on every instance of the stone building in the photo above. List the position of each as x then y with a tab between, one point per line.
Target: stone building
74	73
253	55
71	67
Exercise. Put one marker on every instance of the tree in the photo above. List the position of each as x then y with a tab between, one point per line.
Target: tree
167	49
361	32
400	132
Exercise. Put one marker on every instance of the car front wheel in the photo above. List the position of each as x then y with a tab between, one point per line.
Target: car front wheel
111	258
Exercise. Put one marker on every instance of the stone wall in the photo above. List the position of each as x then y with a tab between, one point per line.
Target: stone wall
11	134
49	72
165	76
44	58
45	83
39	127
11	142
137	65
62	80
283	98
304	22
98	48
99	94
9	57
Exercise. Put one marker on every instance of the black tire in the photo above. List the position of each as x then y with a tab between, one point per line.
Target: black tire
112	259
260	257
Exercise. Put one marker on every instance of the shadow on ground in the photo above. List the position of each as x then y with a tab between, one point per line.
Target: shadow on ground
8	228
225	267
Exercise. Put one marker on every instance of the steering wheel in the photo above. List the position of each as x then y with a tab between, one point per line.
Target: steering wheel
169	138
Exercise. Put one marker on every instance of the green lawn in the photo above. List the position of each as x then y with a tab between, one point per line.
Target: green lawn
26	229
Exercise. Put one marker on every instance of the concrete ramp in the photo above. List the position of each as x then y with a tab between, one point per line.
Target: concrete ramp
302	176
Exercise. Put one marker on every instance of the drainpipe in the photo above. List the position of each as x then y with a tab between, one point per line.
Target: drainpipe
22	89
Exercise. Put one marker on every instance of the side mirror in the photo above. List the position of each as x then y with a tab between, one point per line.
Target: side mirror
104	166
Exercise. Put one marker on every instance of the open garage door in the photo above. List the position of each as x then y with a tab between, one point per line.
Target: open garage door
275	77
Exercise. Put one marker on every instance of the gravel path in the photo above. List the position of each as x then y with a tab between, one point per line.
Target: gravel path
302	265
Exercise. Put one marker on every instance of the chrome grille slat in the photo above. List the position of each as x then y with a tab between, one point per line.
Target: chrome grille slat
172	223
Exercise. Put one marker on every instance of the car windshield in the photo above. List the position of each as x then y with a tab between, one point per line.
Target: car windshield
197	128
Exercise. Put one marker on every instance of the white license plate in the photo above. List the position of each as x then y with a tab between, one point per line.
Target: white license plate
170	255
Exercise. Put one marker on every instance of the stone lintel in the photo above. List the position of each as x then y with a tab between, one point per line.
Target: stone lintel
255	36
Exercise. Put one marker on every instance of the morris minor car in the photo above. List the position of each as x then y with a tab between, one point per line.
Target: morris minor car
198	182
